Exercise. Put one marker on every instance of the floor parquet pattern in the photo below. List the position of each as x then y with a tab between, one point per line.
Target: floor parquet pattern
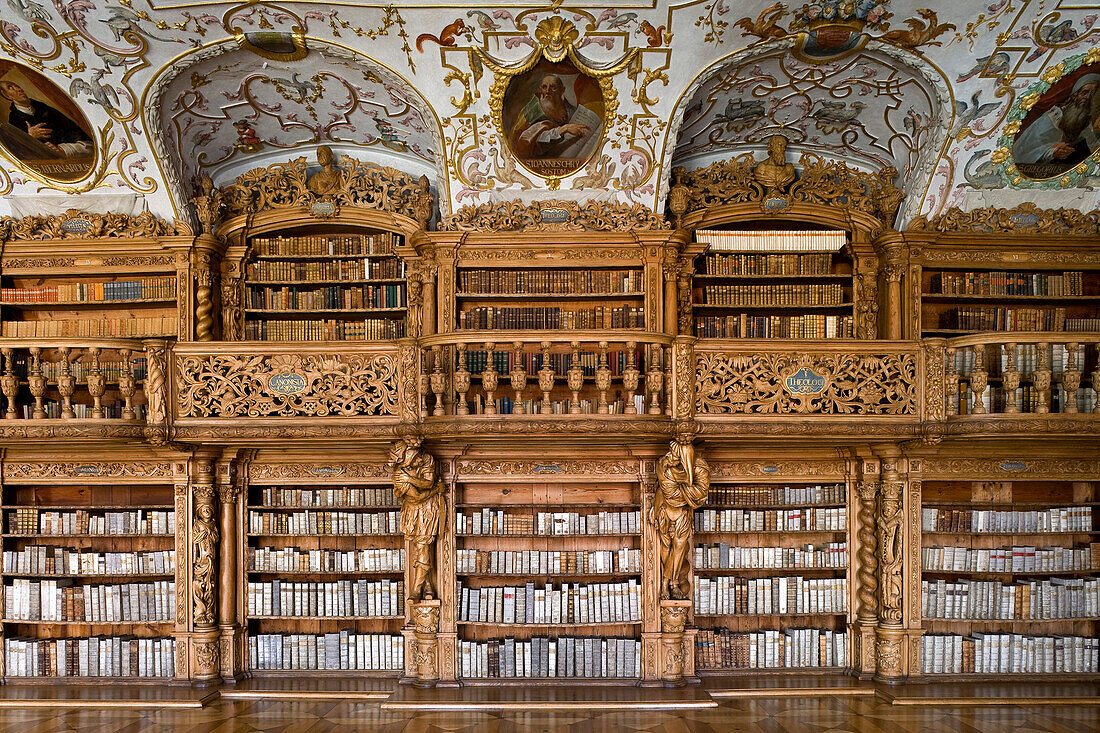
785	715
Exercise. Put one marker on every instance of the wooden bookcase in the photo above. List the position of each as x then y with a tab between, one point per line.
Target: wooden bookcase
103	555
324	284
528	535
325	566
1008	578
771	577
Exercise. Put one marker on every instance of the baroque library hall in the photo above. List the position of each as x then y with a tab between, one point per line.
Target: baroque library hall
680	357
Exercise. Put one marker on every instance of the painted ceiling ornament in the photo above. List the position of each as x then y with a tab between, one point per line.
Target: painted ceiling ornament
265	41
553	108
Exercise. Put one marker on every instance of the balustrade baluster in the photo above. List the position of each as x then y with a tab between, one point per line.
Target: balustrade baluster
489	378
1011	380
951	377
10	385
36	382
630	379
518	377
603	379
546	380
668	379
1071	378
438	380
127	385
66	384
575	378
425	384
97	383
1042	378
462	382
979	381
654	378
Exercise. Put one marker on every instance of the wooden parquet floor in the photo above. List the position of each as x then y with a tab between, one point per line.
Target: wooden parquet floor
775	715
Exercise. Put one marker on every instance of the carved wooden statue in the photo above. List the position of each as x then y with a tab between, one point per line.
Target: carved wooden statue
419	490
683	481
774	173
327	180
204	534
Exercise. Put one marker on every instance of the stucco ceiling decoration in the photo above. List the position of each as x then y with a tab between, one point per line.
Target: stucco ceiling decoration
866	109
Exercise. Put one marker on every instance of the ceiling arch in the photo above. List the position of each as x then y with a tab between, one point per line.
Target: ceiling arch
881	107
224	109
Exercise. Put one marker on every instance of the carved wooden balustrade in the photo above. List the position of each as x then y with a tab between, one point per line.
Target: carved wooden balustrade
95	387
836	387
565	378
270	390
1021	377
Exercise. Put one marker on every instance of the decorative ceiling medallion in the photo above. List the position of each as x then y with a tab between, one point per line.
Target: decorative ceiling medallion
265	41
1056	123
42	130
553	109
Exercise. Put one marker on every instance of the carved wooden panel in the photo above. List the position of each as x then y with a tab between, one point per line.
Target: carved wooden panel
88	470
1008	468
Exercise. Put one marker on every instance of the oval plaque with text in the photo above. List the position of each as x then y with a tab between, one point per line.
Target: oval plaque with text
287	383
805	381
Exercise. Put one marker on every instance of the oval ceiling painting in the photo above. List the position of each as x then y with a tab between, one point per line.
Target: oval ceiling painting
553	118
41	128
1063	128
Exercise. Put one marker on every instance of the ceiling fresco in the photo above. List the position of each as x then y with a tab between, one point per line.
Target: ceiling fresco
611	96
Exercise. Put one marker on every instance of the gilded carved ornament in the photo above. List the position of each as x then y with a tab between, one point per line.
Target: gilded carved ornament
1025	218
553	216
76	224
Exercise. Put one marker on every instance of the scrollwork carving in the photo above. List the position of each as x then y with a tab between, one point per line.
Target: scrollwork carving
305	385
547	468
1027	217
88	470
76	224
568	216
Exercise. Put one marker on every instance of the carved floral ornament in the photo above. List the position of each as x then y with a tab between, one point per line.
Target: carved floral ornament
287	385
553	216
1025	218
76	224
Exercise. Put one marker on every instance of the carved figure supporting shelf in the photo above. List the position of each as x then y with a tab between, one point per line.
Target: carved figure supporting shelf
418	488
683	481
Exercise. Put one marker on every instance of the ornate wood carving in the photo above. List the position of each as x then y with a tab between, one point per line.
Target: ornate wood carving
683	482
156	392
267	472
76	224
759	383
553	216
867	567
784	469
204	539
286	385
467	467
891	546
1025	218
1069	469
420	491
87	471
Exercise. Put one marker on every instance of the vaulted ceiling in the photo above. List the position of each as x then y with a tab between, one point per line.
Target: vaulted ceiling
175	91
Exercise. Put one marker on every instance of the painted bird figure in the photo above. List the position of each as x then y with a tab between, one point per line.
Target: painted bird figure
486	23
304	87
967	113
994	65
29	9
833	116
102	94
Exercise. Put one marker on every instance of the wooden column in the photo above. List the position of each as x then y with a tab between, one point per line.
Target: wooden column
204	584
894	262
206	254
866	570
229	483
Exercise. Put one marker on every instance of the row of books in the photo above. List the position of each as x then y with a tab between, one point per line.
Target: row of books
777	520
572	603
56	560
95	656
348	496
504	361
820	263
764	240
785	594
147	288
323	523
381	243
989	653
343	649
283	271
999	282
59	600
744	326
295	560
1004	319
544	657
128	327
110	410
506	406
343	297
548	562
550	282
79	370
1026	600
1036	521
785	294
365	329
770	649
1083	324
483	318
1019	559
722	556
753	495
341	598
499	522
29	520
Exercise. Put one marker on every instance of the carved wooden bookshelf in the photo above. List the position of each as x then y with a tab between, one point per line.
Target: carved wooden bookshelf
549	569
92	573
1008	577
771	578
325	565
